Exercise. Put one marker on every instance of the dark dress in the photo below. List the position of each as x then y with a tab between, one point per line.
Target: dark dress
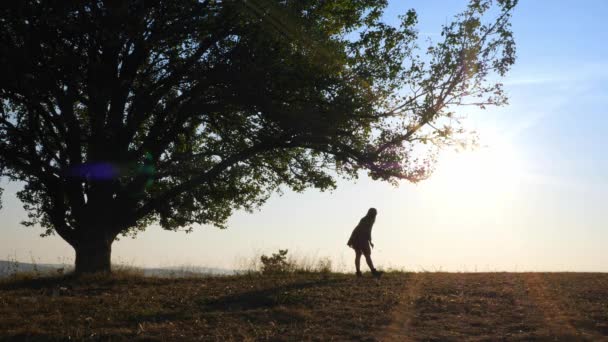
362	235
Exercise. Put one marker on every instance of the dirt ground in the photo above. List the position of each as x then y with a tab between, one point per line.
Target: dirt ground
503	306
310	306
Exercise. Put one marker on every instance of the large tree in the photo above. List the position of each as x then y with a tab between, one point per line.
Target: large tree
118	114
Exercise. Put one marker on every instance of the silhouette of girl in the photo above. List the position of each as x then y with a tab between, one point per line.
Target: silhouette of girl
361	240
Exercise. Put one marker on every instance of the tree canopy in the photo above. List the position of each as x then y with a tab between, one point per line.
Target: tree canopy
118	114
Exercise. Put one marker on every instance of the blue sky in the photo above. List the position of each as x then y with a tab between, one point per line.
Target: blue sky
534	200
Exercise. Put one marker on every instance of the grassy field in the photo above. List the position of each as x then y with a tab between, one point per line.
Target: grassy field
309	306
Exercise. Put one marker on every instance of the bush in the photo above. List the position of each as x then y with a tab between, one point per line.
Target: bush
277	263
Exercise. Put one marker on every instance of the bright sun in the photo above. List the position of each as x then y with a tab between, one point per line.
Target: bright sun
486	173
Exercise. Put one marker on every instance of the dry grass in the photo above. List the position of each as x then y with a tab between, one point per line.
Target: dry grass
309	306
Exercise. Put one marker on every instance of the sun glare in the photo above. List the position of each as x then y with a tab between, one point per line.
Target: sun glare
488	173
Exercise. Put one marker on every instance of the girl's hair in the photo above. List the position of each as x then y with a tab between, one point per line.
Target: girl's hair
372	212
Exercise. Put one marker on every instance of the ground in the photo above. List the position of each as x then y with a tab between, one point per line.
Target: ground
310	306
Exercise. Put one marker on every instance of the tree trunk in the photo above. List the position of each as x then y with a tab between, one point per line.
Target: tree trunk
93	256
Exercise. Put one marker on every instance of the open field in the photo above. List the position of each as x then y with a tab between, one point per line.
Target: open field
310	306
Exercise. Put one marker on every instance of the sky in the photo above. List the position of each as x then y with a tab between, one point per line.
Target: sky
532	198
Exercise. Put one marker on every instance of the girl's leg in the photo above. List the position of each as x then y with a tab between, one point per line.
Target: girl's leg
368	259
358	261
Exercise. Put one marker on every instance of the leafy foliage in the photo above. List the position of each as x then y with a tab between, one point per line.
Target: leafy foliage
118	114
277	263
